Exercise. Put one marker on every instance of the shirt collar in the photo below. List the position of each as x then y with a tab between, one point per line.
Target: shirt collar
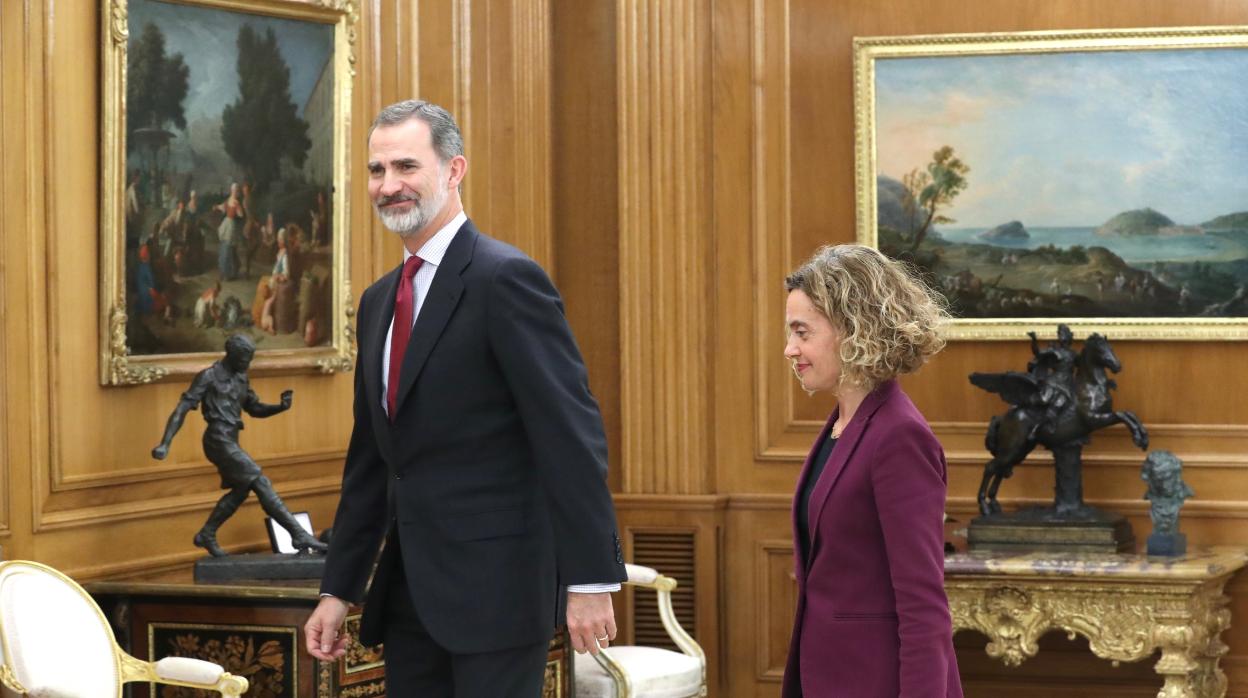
435	247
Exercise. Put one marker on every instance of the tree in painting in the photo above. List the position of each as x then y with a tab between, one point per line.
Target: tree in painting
263	126
932	189
156	84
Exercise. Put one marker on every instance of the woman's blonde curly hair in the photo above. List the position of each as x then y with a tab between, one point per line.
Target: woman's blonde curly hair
891	322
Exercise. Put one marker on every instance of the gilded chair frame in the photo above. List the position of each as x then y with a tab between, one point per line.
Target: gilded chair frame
663	587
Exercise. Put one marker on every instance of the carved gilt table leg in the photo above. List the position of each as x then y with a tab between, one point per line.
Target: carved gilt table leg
1178	661
1192	648
1206	678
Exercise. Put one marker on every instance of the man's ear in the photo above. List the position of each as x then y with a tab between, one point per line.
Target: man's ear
457	168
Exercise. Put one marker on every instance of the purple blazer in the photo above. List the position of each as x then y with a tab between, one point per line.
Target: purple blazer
872	616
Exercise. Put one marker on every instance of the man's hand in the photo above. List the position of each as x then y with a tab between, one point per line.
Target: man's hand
287	397
323	629
160	452
591	621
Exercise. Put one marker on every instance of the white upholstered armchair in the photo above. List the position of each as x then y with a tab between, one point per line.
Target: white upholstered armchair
626	671
55	643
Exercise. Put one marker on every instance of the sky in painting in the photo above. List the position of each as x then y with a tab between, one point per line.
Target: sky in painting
1071	139
207	37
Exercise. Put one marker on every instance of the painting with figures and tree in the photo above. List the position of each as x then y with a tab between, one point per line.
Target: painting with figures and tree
230	123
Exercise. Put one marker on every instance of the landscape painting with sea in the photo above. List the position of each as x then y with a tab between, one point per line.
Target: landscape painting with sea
1108	184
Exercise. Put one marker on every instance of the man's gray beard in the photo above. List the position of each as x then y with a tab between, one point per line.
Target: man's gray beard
406	222
409	222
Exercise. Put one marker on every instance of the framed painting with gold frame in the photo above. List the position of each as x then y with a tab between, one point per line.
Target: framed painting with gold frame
224	154
1095	178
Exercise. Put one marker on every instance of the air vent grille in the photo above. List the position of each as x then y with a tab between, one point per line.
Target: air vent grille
672	554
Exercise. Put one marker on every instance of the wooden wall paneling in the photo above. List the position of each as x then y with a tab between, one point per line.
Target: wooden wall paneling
771	69
12	218
760	594
376	88
777	600
735	161
585	196
6	182
21	88
784	430
507	126
665	245
531	80
489	64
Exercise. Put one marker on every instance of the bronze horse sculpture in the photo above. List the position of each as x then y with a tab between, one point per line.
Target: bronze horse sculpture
1057	404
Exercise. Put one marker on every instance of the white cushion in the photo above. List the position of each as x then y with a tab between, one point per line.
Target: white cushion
188	670
58	643
653	673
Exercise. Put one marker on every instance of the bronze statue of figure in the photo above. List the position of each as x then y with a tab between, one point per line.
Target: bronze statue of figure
225	393
1057	403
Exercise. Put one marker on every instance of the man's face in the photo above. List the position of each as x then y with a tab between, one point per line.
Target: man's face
407	182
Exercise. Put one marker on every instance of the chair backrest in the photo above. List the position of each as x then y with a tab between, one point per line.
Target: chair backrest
53	637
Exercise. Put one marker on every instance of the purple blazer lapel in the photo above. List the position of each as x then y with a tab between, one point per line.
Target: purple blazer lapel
844	450
801	485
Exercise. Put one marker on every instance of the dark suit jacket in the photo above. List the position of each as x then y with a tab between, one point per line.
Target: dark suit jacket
493	473
872	616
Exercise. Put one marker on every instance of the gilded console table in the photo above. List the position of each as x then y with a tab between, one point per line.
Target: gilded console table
1127	606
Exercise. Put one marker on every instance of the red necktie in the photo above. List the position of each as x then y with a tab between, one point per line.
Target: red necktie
403	307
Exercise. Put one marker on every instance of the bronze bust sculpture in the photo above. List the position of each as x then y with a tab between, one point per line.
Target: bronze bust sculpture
225	393
1163	471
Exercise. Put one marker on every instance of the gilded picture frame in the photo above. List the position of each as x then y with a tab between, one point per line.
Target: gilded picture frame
1081	177
225	151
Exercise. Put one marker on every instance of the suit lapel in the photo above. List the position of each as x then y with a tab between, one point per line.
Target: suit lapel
801	487
378	328
439	305
845	447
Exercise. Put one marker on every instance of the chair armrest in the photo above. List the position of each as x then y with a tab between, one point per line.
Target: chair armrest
189	670
183	671
641	575
663	585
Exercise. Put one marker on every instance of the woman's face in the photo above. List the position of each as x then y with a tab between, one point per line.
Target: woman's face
814	345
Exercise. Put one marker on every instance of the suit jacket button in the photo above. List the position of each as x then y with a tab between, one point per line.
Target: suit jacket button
398	476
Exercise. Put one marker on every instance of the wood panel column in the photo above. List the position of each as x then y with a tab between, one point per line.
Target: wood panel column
666	245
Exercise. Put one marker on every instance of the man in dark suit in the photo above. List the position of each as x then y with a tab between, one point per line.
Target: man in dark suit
478	453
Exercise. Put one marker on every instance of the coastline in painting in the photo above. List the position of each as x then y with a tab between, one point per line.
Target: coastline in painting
1069	184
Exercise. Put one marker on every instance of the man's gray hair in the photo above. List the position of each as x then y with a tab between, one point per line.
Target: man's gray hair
448	142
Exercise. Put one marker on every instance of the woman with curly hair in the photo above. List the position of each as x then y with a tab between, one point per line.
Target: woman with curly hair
872	616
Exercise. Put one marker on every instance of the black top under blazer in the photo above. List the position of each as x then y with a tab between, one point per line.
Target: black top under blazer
493	474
